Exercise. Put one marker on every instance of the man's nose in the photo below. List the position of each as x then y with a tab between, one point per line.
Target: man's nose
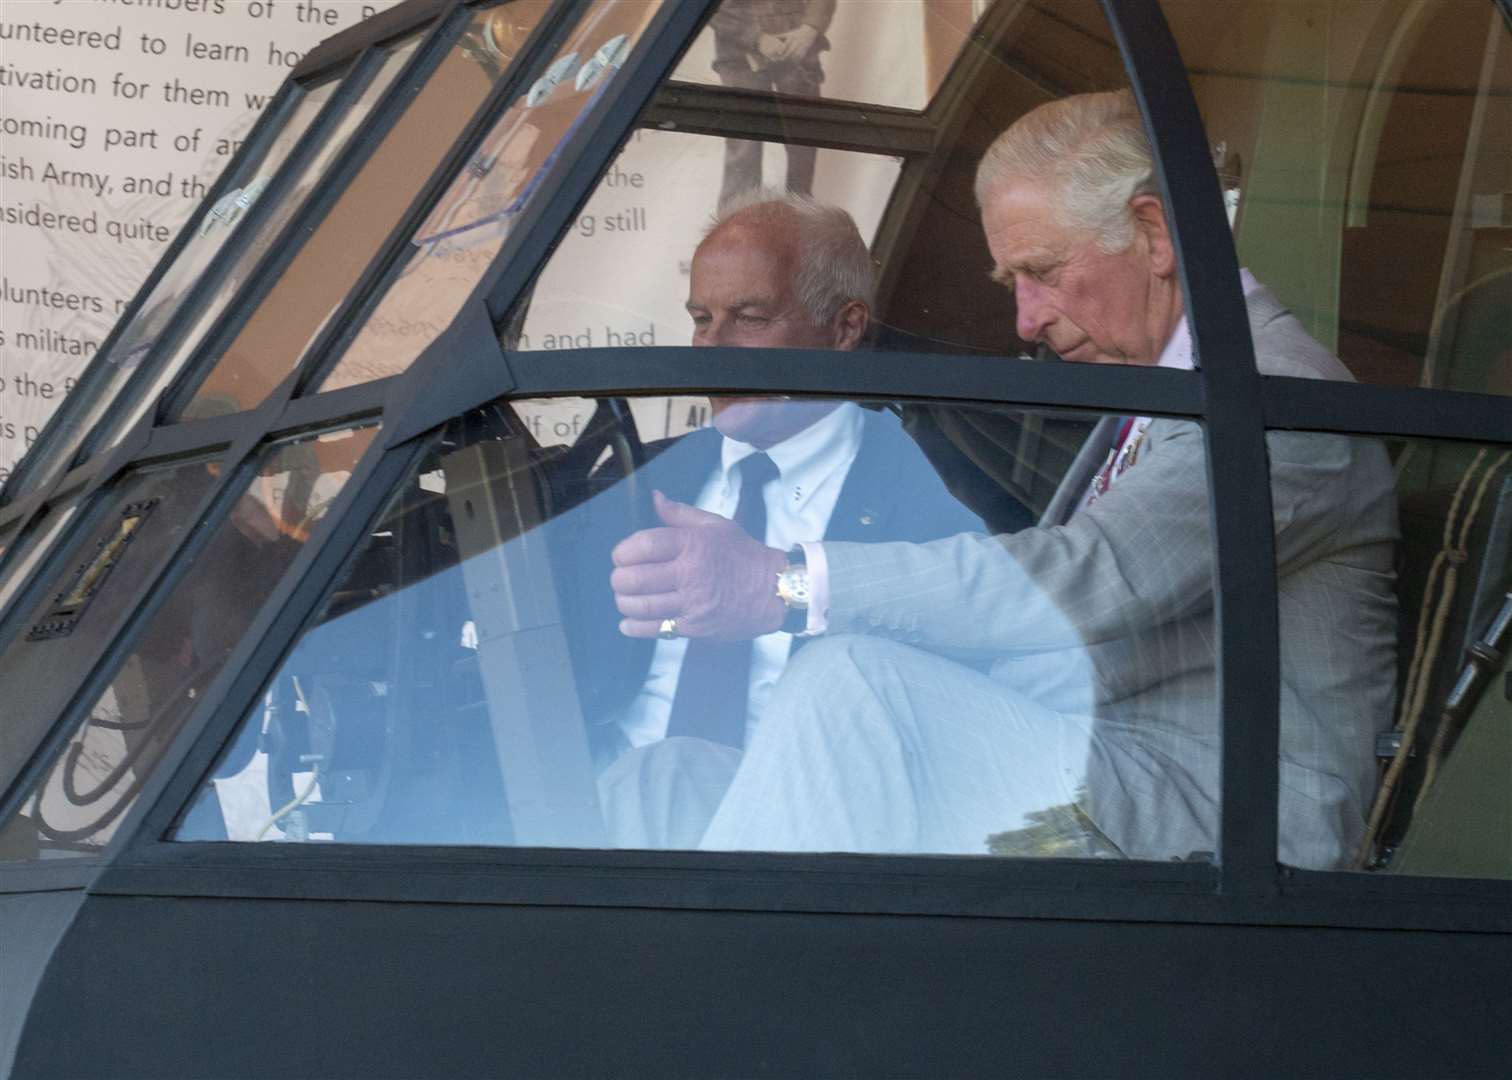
1033	313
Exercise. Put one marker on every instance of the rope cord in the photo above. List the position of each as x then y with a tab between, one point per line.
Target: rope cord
1442	732
1438	602
1414	687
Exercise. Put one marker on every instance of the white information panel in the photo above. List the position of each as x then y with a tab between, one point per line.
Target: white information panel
116	116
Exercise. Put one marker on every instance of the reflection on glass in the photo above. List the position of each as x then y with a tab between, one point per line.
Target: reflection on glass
982	686
470	224
1367	149
212	229
775	48
619	276
852	50
69	609
29	549
319	278
76	807
218	222
271	227
46	657
1443	781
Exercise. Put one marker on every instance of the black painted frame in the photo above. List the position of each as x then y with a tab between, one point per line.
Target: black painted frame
467	367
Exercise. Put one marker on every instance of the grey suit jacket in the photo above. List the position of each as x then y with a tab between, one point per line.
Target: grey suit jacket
1111	615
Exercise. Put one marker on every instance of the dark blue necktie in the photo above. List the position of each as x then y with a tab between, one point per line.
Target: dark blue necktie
714	684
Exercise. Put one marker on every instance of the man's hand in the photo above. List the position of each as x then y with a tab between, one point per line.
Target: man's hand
798	43
771	47
702	570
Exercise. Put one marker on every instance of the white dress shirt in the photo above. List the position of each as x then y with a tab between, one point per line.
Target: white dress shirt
812	467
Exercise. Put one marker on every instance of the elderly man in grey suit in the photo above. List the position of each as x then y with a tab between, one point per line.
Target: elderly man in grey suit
1095	686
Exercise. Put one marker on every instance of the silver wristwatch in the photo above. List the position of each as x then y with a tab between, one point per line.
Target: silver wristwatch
793	591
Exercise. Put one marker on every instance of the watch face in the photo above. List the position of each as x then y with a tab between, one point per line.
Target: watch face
793	586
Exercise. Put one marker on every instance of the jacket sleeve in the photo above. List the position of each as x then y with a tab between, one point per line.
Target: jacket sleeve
1140	555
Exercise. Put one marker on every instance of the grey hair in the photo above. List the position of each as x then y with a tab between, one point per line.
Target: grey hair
834	265
1089	150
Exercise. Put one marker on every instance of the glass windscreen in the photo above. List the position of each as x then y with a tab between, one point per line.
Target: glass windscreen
75	807
641	215
894	54
455	245
62	636
817	625
279	215
26	551
315	283
622	272
211	230
1366	151
1435	635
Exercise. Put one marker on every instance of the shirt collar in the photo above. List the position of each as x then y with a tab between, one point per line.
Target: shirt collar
807	459
1178	351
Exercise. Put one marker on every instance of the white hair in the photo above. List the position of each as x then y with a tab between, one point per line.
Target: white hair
834	265
1089	151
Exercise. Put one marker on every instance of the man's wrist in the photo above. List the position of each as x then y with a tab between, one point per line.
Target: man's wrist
793	591
776	563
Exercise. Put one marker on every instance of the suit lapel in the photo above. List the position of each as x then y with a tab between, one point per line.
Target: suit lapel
862	504
1261	306
1083	468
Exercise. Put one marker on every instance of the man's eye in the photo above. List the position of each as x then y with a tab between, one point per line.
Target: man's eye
701	320
753	320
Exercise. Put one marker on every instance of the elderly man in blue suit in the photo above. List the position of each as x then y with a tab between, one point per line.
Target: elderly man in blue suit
774	270
1098	705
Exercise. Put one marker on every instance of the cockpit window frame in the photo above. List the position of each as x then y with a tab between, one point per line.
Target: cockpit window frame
467	367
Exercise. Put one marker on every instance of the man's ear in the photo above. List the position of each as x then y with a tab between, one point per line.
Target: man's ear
1150	219
850	323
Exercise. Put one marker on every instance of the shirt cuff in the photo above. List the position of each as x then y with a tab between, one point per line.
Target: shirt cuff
818	583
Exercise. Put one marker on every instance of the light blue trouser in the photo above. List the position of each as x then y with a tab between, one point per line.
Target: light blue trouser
873	746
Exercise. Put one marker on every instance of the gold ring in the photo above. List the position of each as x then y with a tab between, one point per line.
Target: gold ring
668	630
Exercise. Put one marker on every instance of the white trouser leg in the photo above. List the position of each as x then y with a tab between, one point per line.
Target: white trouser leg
870	745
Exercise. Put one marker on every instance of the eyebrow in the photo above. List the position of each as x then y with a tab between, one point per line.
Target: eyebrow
744	302
1038	261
